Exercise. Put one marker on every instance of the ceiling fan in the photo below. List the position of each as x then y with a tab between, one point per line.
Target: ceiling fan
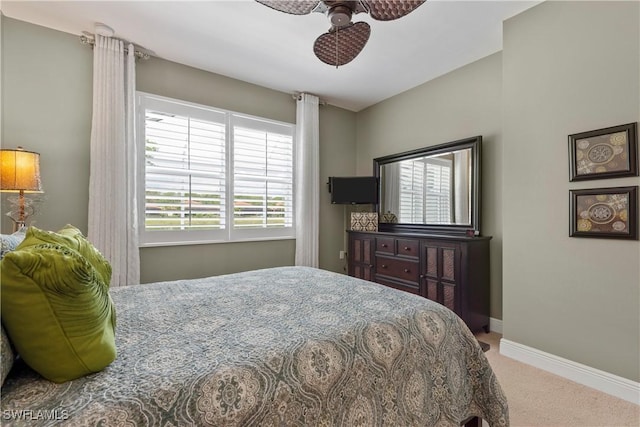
345	39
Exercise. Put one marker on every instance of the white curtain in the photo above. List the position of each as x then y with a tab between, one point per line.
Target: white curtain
392	188
307	181
462	184
113	226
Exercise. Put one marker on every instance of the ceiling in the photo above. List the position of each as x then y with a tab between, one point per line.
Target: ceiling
251	42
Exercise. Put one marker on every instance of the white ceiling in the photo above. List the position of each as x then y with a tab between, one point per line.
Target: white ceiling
251	42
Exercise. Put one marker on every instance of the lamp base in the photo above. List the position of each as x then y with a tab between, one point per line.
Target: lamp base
17	225
22	208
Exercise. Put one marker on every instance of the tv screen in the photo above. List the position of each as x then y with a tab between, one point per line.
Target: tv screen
353	190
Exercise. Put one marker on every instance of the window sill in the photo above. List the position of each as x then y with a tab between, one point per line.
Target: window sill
211	242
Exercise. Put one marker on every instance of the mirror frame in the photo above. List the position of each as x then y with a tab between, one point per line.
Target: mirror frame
475	144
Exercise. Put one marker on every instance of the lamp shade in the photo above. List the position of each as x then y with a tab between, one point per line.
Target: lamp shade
20	171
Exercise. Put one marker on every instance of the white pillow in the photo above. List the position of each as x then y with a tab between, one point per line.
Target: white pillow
9	242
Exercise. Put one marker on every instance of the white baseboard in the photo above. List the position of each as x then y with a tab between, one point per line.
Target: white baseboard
574	371
495	325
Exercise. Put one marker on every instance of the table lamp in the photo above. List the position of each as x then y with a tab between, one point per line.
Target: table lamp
20	173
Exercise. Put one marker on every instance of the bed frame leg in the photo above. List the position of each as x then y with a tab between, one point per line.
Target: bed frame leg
472	422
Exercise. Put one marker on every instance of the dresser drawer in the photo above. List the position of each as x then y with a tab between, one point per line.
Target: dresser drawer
409	248
385	244
398	268
413	288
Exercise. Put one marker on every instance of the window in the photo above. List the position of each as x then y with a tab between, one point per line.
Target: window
438	191
426	191
411	191
210	175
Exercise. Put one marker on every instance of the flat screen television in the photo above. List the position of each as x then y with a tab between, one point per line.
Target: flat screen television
353	190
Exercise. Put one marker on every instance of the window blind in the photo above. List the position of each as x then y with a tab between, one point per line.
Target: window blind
263	179
426	191
184	172
213	175
438	191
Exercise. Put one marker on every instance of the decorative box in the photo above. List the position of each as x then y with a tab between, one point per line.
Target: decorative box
364	221
388	217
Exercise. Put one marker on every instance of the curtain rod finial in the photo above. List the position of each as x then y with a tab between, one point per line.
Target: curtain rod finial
104	30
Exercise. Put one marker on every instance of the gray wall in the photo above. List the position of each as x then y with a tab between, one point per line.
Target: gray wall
337	158
568	67
463	103
46	107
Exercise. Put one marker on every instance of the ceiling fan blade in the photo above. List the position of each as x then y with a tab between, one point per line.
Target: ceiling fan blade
339	46
294	7
388	10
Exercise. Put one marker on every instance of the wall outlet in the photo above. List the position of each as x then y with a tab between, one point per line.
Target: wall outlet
341	255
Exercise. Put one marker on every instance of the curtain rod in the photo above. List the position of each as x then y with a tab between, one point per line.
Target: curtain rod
144	55
298	96
137	53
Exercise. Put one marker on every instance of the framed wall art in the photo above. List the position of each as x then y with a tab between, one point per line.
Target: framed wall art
604	153
604	212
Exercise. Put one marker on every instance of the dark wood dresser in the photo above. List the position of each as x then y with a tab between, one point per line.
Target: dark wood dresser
451	270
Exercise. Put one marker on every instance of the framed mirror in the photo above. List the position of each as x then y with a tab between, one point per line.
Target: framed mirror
434	190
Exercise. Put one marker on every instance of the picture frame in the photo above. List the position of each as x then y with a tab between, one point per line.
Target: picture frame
604	153
604	213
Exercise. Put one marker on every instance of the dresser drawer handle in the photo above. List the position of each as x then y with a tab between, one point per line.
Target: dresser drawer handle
407	248
383	266
406	270
384	245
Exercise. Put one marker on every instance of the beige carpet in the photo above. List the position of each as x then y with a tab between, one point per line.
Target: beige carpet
538	398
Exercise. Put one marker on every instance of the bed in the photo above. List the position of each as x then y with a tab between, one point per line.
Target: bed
286	346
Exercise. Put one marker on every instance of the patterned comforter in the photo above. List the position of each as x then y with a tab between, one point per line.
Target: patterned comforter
289	346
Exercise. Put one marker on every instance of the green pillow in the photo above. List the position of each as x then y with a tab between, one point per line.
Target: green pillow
57	311
70	237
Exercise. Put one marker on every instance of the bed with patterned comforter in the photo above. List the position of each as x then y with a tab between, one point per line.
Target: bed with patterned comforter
288	346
